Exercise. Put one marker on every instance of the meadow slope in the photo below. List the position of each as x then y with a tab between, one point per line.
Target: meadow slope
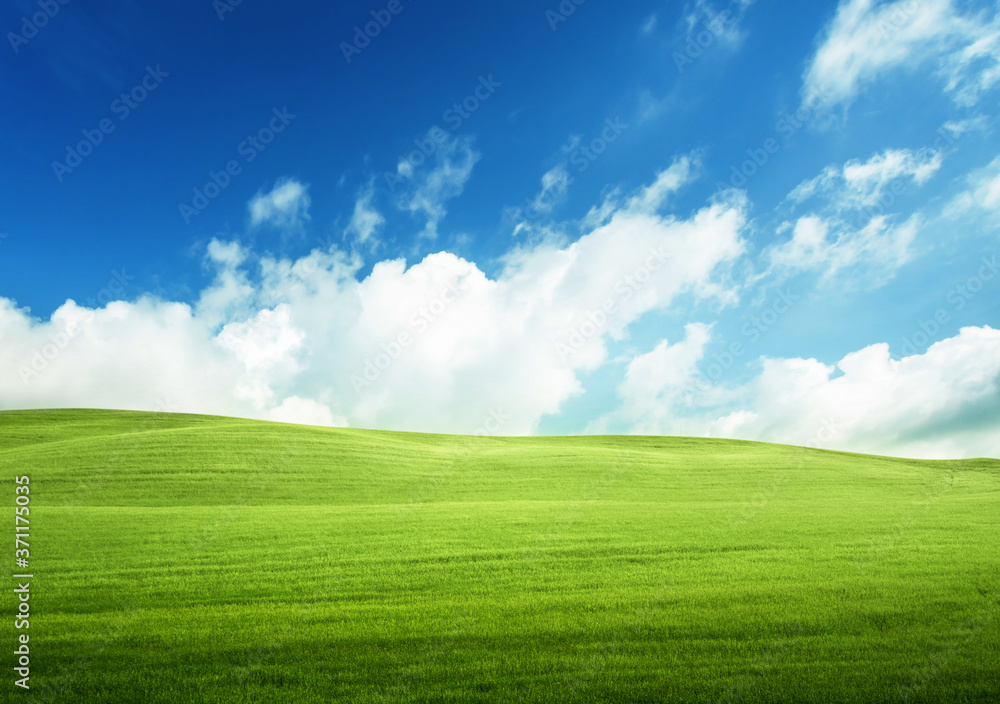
192	559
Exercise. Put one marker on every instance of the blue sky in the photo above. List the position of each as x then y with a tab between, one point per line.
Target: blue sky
239	209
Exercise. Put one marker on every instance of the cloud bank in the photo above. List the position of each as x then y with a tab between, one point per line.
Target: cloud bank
436	346
440	346
940	404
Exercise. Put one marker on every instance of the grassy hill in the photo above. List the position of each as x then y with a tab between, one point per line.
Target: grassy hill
195	559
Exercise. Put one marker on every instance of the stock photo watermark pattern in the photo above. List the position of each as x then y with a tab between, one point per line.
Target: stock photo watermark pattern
559	352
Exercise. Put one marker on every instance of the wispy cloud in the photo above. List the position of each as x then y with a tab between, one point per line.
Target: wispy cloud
286	206
852	234
868	40
428	190
366	221
983	193
867	256
860	184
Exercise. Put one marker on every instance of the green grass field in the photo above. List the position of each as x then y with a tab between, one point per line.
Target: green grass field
200	559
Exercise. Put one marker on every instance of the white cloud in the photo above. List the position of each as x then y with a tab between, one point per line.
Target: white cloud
281	338
137	355
658	385
810	245
863	184
222	299
983	192
721	19
428	190
441	346
285	207
552	191
365	221
868	40
866	181
975	68
555	184
269	338
870	254
667	182
852	233
978	123
943	403
304	411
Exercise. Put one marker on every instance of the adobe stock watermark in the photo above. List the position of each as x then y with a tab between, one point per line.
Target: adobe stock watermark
30	26
59	341
419	322
596	320
224	7
785	128
563	12
454	117
959	297
122	107
696	45
363	35
582	157
250	148
493	424
901	14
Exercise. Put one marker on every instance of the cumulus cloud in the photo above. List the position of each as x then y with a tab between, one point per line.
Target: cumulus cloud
304	411
138	355
441	346
224	297
869	39
658	385
943	403
939	404
436	346
286	206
